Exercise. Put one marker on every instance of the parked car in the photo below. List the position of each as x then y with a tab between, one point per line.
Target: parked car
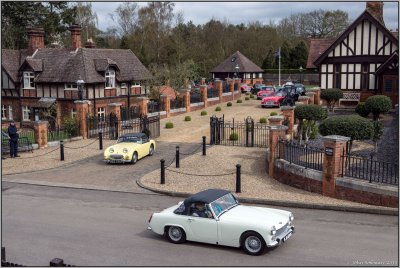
274	100
256	88
130	148
223	222
300	89
265	91
245	88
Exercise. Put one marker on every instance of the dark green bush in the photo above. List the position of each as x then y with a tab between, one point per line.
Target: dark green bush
203	113
239	101
251	96
247	98
378	104
273	113
188	118
331	96
310	112
247	93
263	120
217	109
313	129
229	104
71	126
233	136
362	110
169	125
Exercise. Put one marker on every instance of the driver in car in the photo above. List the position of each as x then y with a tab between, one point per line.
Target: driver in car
199	210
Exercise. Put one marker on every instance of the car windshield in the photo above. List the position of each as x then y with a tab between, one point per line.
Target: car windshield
223	204
133	139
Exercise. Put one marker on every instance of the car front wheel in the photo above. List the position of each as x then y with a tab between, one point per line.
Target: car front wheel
176	235
151	151
253	243
134	158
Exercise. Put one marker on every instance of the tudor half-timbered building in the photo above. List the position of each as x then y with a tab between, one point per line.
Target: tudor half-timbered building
364	58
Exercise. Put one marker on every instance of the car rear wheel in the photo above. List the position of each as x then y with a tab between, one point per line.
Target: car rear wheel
253	243
151	151
176	235
134	158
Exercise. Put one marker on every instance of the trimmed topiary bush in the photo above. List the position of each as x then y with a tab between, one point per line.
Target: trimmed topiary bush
353	126
246	98
251	96
229	104
378	104
217	109
362	110
239	101
188	118
263	120
307	116
247	93
273	113
169	125
203	113
331	96
233	136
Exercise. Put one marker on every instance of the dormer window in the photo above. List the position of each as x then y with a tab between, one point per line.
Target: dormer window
28	79
71	86
110	78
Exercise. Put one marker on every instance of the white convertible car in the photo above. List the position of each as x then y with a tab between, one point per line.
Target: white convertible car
223	222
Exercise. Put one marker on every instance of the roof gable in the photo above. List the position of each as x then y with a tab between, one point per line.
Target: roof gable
392	63
317	47
35	64
245	65
364	16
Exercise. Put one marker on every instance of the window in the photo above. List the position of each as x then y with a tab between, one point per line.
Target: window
3	112
388	85
25	113
73	113
110	78
101	113
364	77
28	80
71	86
337	74
10	112
123	85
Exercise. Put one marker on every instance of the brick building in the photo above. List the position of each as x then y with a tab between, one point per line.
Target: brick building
38	81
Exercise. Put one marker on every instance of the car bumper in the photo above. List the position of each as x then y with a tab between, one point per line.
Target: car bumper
269	105
115	161
283	237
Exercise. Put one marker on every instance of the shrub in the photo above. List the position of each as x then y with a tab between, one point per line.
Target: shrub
251	96
331	96
217	109
229	104
362	110
169	125
378	104
246	98
247	93
307	116
203	113
273	113
263	120
313	130
239	101
71	126
353	126
233	136
188	118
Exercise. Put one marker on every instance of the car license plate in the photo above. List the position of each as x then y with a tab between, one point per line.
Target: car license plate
270	103
287	236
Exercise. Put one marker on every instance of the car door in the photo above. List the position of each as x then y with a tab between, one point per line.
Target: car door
203	229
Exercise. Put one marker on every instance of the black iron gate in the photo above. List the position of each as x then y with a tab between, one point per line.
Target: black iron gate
246	133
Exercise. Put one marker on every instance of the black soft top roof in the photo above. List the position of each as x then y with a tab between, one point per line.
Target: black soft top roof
206	196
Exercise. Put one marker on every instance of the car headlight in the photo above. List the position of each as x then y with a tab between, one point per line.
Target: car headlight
111	150
125	150
291	217
273	230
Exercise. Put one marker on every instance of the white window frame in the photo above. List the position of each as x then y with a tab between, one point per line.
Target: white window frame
73	113
3	112
101	113
31	77
71	86
124	85
25	113
10	112
110	78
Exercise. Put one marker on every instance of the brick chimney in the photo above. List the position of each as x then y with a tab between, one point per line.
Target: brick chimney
36	38
90	43
375	8
75	36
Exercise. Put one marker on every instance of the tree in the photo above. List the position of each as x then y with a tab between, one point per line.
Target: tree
310	113
127	18
87	19
325	24
331	96
298	56
377	105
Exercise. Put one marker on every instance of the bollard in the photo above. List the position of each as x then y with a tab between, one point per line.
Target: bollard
61	150
177	157
57	262
162	177
3	254
238	186
100	140
204	145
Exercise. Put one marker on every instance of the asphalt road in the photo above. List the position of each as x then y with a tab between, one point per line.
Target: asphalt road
100	228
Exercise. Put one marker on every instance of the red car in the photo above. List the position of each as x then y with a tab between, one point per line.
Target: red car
265	91
273	100
245	88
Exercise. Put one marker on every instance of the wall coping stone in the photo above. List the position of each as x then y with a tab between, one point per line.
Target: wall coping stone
142	98
365	186
276	118
304	97
299	170
40	122
196	104
336	138
226	93
213	99
314	89
310	93
178	110
203	86
82	102
275	128
114	104
285	108
157	113
298	103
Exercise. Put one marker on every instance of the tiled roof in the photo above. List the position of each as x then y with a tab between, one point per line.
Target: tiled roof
317	47
167	90
245	65
11	60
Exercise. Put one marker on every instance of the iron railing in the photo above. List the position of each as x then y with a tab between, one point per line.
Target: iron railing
212	93
153	106
176	103
195	97
306	156
226	88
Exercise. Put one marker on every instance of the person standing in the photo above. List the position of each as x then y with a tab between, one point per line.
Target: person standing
13	133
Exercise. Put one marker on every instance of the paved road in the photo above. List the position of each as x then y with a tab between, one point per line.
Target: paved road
100	228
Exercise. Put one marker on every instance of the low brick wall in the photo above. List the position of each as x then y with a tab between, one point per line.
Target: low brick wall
196	107
213	102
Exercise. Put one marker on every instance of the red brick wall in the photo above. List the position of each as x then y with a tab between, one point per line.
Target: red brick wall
366	197
297	181
210	103
196	108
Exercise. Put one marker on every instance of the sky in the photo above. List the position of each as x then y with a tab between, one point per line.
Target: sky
245	12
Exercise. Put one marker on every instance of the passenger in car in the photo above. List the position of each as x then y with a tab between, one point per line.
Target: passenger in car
199	210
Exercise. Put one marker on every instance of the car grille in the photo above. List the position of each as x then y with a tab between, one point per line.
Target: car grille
116	156
282	229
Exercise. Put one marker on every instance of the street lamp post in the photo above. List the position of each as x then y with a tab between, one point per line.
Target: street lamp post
237	70
80	83
301	70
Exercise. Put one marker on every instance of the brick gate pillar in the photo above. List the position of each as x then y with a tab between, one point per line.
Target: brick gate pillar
232	87
166	103
218	85
116	109
311	95
238	83
204	97
275	120
304	99
202	81
317	95
186	100
82	112
142	103
275	134
40	132
333	150
288	114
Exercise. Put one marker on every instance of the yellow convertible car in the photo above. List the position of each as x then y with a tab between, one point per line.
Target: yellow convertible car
130	148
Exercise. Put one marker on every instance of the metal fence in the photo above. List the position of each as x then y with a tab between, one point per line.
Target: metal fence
129	113
369	169
195	97
226	87
238	133
176	103
153	106
306	156
212	93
